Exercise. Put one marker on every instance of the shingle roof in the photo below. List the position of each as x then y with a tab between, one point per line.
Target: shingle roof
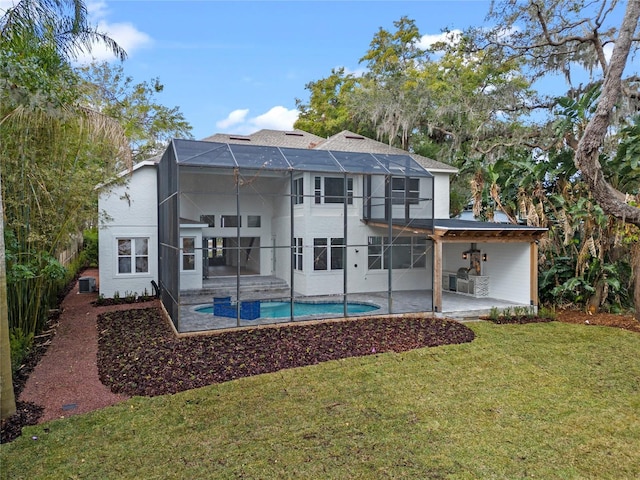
352	142
270	138
344	141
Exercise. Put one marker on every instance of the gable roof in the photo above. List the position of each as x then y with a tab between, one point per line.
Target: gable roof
269	138
344	141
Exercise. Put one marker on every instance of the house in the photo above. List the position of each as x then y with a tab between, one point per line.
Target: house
290	216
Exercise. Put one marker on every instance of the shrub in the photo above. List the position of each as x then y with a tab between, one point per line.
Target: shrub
91	246
20	343
545	312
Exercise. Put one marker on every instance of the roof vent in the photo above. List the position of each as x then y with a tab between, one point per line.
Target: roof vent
354	137
294	134
244	139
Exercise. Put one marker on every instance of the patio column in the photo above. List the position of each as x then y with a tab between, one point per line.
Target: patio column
533	274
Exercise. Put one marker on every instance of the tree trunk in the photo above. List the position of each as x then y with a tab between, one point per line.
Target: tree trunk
612	201
635	271
7	397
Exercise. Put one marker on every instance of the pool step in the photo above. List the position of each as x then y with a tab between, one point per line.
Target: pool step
255	287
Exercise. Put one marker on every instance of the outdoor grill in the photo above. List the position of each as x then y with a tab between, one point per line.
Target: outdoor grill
463	273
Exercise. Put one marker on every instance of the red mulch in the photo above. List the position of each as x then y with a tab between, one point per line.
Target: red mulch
625	321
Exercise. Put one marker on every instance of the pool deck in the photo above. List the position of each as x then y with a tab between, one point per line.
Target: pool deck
455	306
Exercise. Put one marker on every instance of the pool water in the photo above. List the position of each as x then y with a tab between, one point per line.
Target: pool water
300	309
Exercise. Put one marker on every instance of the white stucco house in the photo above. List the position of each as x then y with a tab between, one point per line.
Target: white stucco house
292	216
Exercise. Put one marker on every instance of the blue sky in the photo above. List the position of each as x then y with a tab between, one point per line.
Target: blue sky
238	66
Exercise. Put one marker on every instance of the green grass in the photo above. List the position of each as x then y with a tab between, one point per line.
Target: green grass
545	401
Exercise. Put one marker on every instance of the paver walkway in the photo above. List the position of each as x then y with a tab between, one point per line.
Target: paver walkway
65	382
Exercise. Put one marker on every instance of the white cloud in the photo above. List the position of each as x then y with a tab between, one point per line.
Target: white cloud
452	37
276	118
235	118
358	72
125	34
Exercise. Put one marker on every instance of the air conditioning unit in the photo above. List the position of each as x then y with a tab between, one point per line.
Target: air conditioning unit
86	285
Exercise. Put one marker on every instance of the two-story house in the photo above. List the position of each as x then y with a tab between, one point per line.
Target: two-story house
289	219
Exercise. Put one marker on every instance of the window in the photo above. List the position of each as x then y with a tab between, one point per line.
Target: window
337	253
331	190
319	253
297	254
405	190
253	221
374	253
317	190
231	221
133	255
419	252
208	219
188	253
407	252
325	258
298	191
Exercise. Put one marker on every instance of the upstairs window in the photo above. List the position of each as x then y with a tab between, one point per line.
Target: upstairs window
298	191
231	221
405	190
210	220
331	190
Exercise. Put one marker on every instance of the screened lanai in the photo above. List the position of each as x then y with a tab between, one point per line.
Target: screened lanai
245	230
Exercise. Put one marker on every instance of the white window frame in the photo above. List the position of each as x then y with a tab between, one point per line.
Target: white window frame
132	255
319	190
378	252
405	195
298	191
328	248
188	252
298	256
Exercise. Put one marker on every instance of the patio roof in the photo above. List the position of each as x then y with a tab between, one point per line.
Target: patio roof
454	229
262	157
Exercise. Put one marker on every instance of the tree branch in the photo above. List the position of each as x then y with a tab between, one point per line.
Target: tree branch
610	199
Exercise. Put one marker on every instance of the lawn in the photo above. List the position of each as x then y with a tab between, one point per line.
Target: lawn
547	400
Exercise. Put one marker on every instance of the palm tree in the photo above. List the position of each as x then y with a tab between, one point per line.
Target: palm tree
57	28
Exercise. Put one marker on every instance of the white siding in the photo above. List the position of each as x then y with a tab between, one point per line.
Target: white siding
508	265
441	195
128	211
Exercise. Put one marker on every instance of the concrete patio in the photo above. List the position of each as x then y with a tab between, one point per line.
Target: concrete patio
455	306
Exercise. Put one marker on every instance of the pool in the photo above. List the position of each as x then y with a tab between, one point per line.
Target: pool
270	309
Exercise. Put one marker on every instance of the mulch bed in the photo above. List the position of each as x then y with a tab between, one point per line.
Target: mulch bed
139	355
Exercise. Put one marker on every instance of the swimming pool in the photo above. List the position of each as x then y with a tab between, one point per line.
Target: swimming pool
270	309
